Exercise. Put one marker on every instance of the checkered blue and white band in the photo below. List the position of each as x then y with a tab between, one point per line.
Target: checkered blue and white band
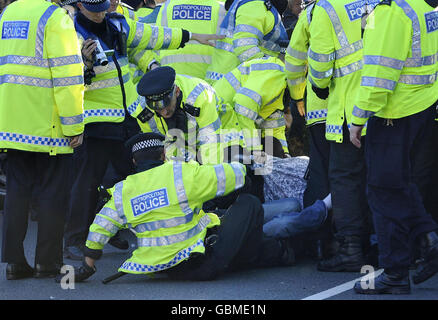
147	144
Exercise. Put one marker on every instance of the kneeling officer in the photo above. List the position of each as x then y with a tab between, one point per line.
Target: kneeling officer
162	204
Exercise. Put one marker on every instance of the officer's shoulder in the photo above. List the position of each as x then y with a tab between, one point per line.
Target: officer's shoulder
115	15
385	3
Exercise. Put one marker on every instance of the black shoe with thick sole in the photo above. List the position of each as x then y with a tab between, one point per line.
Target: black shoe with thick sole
428	265
384	284
349	258
15	271
46	271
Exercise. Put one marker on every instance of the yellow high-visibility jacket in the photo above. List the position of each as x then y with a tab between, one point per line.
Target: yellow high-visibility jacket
400	62
296	66
41	78
163	206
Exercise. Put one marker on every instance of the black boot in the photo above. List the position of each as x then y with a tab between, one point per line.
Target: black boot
428	265
348	258
387	283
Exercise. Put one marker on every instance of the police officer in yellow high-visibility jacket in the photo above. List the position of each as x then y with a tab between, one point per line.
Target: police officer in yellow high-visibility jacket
162	203
184	109
253	28
315	109
141	62
110	94
195	16
398	97
254	92
41	119
335	62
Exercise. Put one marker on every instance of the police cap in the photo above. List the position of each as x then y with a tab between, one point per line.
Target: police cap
145	141
96	5
157	86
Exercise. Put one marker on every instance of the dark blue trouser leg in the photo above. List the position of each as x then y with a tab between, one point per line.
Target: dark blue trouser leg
398	211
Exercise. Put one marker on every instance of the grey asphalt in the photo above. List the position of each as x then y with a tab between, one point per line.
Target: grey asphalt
288	283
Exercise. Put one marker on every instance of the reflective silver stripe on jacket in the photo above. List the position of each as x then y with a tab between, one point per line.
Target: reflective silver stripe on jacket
248	54
300	55
416	29
180	189
211	128
383	61
336	22
180	237
351	68
320	74
107	83
72	120
418	79
196	92
378	83
251	94
294	68
240	179
39	40
97	237
161	224
266	66
153	39
118	201
40	62
167	38
224	46
139	31
40	82
186	58
114	215
221	179
320	57
357	112
350	49
106	224
294	82
249	29
233	81
245	42
244	111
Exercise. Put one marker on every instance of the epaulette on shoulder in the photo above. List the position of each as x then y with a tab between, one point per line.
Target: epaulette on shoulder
385	2
115	15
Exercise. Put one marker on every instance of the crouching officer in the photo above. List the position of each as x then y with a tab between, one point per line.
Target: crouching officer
184	110
162	204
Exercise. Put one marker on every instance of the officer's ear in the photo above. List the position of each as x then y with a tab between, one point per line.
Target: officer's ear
177	91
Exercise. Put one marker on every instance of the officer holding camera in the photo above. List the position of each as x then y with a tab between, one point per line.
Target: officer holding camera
108	41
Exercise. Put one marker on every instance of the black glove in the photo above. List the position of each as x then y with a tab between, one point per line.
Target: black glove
321	93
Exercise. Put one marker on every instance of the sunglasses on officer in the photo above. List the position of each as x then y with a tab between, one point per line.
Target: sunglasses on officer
163	103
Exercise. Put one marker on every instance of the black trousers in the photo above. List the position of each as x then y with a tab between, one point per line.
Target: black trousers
347	174
318	181
240	244
425	170
42	180
91	161
398	211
